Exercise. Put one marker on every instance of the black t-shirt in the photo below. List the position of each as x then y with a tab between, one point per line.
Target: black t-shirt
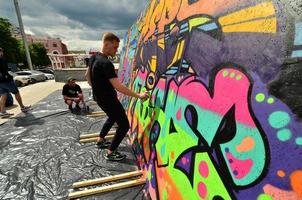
4	75
101	71
71	91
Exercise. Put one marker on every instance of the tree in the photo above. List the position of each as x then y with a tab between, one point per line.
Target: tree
38	54
7	42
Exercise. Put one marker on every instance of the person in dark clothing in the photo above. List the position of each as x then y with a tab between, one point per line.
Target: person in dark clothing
104	81
7	85
72	92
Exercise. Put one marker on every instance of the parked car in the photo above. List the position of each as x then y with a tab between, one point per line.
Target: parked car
46	71
49	76
34	76
20	80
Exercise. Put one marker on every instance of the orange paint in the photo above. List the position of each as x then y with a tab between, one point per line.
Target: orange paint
209	7
296	182
247	144
165	182
169	14
279	194
281	173
156	16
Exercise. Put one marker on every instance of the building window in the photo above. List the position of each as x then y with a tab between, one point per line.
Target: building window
54	45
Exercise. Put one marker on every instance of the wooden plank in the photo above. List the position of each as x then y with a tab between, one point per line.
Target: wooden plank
96	114
89	140
106	179
106	188
85	136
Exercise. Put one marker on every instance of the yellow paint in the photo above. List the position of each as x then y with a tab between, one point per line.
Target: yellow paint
161	43
141	53
153	63
197	22
262	10
178	52
260	26
172	26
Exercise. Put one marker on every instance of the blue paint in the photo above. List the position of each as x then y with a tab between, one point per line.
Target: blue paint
297	53
208	27
298	35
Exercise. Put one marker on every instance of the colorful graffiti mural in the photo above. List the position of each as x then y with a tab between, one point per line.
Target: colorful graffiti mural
219	123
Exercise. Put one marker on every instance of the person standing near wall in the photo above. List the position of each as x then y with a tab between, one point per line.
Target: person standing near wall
8	85
104	81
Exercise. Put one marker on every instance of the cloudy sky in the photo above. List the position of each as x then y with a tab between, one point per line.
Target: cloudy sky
79	23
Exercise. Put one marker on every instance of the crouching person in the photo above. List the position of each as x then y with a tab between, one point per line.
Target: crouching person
73	94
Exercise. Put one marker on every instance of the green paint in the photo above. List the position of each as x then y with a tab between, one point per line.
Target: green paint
225	73
260	97
238	78
232	75
279	119
264	197
149	176
284	135
299	141
213	182
197	22
271	101
165	195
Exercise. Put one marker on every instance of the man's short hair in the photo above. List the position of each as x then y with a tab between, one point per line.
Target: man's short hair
1	49
110	37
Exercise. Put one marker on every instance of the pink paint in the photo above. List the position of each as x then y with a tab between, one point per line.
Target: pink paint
204	169
227	92
142	75
202	190
178	114
184	160
240	168
280	194
161	84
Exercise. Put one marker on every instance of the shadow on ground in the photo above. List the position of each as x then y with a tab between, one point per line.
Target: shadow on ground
40	154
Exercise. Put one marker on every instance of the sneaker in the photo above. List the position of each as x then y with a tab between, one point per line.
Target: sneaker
5	115
114	156
103	144
25	109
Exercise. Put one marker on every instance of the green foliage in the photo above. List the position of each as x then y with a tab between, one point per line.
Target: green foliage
7	42
15	51
38	54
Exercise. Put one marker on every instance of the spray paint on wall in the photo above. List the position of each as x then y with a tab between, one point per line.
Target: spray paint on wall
223	120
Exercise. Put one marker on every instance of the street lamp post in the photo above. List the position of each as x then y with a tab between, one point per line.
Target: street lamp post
23	34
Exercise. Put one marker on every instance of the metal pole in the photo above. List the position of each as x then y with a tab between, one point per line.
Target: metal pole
23	34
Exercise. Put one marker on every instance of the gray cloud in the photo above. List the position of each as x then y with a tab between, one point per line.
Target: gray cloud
84	20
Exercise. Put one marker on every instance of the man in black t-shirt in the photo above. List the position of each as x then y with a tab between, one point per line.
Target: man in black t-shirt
103	80
72	92
7	85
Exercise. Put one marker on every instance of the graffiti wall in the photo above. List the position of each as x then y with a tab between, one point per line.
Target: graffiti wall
224	117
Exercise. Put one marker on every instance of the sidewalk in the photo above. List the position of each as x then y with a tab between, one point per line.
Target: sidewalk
33	93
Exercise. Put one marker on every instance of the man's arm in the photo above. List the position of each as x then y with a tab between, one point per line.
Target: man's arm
88	76
70	98
126	91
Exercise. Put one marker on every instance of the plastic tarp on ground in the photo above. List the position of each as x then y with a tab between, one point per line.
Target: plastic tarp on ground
41	157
